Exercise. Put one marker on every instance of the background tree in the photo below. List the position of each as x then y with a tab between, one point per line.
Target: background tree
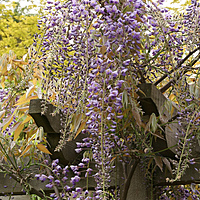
17	27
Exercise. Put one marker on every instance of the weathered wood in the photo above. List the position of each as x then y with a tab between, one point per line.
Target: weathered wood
191	175
52	126
139	189
9	185
153	101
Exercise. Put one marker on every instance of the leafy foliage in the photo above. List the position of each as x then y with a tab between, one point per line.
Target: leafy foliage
16	29
93	59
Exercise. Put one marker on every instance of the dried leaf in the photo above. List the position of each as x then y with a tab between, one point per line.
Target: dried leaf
110	55
172	110
23	108
26	100
20	62
137	117
30	91
138	18
18	131
22	98
103	49
15	127
7	121
42	148
82	126
26	149
12	144
76	122
125	99
28	118
4	68
2	114
2	82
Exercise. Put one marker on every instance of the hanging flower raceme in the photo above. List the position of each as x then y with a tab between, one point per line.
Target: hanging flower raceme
87	50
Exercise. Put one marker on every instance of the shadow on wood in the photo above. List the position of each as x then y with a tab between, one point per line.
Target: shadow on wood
52	126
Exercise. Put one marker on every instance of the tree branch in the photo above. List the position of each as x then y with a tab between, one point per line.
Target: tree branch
173	81
178	66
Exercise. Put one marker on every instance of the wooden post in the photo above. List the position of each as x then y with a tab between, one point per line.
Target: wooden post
52	126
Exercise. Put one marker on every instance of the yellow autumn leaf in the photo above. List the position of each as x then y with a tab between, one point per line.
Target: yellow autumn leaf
4	69
26	149
23	108
45	140
20	62
26	100
14	127
28	118
2	82
30	91
42	148
82	126
2	113
22	98
18	131
34	81
172	110
8	121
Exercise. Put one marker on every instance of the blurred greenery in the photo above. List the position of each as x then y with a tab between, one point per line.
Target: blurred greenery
17	27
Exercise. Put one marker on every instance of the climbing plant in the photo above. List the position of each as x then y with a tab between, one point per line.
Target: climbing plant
93	56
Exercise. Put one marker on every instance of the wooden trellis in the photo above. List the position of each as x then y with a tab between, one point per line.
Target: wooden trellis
152	101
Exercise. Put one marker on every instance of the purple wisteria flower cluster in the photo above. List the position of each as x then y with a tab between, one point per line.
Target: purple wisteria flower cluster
68	178
95	54
181	192
87	50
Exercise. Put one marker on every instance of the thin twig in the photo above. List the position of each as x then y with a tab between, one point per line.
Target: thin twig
54	185
177	67
23	182
173	81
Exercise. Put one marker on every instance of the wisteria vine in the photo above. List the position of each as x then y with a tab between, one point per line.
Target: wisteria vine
95	54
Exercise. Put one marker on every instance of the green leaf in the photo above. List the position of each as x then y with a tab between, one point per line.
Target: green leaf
125	99
153	121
